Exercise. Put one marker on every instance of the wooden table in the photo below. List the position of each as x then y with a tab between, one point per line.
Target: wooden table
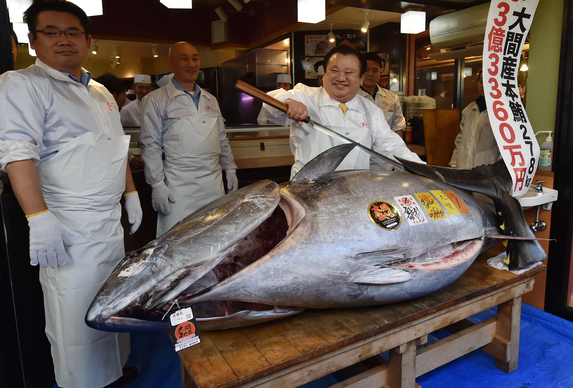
299	349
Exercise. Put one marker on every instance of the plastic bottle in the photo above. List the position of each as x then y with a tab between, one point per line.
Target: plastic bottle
546	153
408	133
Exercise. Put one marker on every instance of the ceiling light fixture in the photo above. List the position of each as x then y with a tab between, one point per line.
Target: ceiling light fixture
15	11
238	6
94	47
366	23
524	64
331	37
311	11
413	22
222	15
90	7
177	4
116	53
154	50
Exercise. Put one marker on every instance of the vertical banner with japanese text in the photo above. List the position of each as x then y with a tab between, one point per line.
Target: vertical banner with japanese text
508	23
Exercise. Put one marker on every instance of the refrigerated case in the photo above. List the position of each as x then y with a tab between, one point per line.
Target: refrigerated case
258	68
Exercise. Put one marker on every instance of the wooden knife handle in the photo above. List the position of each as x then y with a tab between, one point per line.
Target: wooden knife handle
258	94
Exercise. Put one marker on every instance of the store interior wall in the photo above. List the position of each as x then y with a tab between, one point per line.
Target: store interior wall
544	54
98	65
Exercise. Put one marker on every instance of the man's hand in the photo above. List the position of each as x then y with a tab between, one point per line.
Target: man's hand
160	198
133	209
296	111
47	239
232	180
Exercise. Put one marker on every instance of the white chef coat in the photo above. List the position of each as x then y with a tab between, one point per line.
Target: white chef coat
325	110
475	144
43	112
162	108
131	114
390	105
263	117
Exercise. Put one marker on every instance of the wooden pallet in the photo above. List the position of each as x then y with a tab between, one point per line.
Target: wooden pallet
299	349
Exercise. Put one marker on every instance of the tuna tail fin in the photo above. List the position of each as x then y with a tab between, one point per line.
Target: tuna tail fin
494	182
319	169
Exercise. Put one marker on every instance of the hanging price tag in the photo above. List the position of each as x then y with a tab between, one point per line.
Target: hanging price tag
184	333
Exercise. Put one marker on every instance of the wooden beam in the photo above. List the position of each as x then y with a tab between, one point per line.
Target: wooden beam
402	366
508	323
456	345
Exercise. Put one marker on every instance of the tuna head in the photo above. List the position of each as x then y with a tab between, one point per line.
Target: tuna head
200	251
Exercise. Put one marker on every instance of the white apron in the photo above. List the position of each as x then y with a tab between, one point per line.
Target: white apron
317	142
82	185
192	169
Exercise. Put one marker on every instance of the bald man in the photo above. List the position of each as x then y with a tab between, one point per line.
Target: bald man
185	122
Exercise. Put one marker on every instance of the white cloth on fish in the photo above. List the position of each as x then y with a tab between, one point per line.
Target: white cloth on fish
196	147
73	134
389	103
475	144
324	110
131	114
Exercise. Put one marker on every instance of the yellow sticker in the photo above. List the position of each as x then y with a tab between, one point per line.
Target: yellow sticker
446	202
458	202
432	207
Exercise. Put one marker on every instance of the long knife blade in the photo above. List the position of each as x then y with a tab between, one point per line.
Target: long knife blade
260	95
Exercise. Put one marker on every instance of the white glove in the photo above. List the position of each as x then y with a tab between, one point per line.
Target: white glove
133	209
232	181
160	197
47	239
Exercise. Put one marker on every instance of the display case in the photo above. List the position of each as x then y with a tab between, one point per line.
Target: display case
258	68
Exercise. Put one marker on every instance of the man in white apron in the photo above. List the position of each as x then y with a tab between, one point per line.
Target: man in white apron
338	107
185	122
63	148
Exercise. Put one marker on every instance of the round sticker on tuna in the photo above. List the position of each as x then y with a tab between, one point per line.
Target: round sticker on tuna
385	215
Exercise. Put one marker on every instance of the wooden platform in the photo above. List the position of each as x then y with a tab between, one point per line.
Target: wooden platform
296	350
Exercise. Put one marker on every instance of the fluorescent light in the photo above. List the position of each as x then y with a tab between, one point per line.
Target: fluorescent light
177	4
366	23
15	11
222	15
238	6
413	22
90	7
94	47
311	11
154	51
434	75
468	71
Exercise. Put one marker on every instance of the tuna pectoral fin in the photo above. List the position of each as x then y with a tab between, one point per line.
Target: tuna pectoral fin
494	182
381	275
322	166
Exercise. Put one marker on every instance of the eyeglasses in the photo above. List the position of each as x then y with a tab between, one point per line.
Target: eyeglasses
348	74
72	33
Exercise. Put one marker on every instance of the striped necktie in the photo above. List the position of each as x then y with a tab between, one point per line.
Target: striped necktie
343	107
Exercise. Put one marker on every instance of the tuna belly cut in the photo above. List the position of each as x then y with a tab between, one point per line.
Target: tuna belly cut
443	257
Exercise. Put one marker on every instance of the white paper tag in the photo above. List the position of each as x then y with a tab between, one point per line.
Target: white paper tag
181	316
187	343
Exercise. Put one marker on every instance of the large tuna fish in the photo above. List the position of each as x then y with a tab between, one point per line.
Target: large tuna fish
323	240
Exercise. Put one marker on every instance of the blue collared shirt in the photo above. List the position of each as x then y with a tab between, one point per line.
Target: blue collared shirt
85	77
196	96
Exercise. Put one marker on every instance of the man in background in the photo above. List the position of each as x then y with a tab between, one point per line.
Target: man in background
131	114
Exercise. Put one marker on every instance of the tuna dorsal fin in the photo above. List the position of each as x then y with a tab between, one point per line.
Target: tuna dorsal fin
319	169
494	182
